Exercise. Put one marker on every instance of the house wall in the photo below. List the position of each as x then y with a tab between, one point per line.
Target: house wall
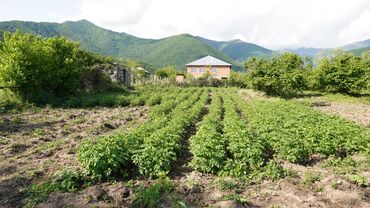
180	78
222	71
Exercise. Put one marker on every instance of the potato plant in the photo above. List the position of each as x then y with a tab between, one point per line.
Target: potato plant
207	145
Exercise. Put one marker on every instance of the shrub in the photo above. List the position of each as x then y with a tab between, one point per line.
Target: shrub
344	73
283	75
43	69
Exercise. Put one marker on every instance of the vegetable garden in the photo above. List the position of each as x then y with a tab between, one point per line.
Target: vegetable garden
233	137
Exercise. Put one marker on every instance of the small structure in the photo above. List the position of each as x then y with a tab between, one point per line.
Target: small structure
211	66
180	78
118	73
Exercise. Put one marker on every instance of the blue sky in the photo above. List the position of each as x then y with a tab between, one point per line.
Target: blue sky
274	24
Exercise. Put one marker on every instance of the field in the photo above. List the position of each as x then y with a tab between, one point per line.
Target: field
188	147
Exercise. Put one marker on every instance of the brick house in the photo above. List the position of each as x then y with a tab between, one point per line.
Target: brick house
211	65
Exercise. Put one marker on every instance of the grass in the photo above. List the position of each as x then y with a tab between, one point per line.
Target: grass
153	195
311	177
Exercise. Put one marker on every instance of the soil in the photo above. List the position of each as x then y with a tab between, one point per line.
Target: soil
36	145
357	112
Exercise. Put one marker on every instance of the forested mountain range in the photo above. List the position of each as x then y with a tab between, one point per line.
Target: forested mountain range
174	50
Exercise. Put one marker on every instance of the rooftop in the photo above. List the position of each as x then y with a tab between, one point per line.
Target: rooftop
208	61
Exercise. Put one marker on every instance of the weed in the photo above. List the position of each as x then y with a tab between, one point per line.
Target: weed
153	195
236	197
359	180
311	177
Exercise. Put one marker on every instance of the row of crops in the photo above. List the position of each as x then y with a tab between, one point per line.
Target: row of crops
233	137
154	145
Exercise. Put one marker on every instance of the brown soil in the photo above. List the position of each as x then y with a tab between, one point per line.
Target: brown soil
36	145
357	112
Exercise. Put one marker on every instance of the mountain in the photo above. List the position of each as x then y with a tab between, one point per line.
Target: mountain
237	49
305	51
356	45
175	50
359	51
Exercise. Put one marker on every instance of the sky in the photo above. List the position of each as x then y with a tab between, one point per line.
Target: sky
275	24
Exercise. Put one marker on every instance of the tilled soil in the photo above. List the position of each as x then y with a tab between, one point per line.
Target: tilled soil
36	145
357	112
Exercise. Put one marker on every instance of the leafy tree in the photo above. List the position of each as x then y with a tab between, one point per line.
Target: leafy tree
283	75
40	68
344	73
168	72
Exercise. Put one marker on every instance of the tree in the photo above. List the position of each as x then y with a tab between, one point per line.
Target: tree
39	68
168	72
344	73
283	75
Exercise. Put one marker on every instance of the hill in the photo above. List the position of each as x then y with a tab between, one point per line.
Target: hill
356	45
238	49
359	51
175	50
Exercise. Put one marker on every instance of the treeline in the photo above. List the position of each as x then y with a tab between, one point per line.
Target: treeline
41	70
288	74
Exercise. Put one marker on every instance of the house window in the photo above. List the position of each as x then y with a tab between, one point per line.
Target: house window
214	70
193	70
201	70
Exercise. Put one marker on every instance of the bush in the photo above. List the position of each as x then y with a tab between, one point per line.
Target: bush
52	67
344	73
283	75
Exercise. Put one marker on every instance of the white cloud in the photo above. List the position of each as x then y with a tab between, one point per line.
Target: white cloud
358	28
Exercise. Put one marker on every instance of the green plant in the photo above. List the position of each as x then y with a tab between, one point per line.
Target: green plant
153	195
311	177
344	73
283	75
237	197
359	180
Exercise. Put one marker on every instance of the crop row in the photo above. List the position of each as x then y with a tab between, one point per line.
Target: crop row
207	145
296	132
161	148
247	153
112	155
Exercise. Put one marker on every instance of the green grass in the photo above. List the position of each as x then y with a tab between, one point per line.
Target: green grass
153	195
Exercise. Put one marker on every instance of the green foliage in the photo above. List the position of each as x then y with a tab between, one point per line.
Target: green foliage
207	145
106	156
168	72
283	75
161	148
176	50
311	177
359	180
10	101
344	73
153	195
238	79
41	68
247	153
237	49
68	180
295	132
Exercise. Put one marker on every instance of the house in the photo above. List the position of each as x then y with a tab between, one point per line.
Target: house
209	65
